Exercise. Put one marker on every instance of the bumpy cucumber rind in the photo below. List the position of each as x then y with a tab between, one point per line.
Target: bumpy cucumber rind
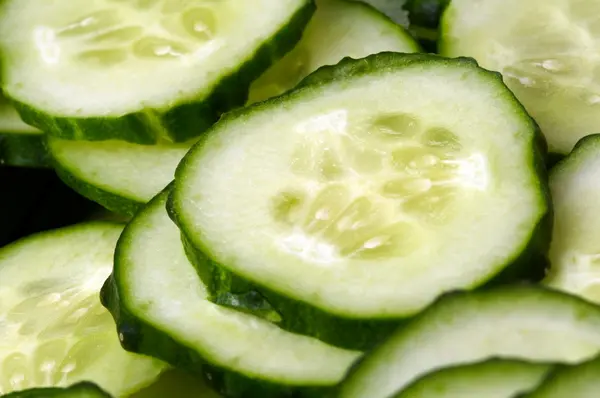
23	150
529	263
79	390
184	120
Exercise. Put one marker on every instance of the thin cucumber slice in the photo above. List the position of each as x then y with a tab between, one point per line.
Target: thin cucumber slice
545	50
579	381
79	390
339	28
574	252
182	327
120	176
521	322
142	70
53	329
493	378
365	193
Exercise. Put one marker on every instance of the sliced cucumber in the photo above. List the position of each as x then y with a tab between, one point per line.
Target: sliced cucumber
79	390
177	383
339	28
520	322
53	330
574	252
366	193
579	381
121	176
493	378
140	70
182	327
546	51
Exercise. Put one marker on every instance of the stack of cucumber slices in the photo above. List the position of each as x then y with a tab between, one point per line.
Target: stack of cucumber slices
307	204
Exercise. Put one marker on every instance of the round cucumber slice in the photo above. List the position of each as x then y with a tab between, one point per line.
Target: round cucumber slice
53	329
143	71
368	191
339	29
546	51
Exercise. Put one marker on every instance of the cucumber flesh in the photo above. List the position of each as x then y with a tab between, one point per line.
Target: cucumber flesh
365	182
145	71
494	378
339	29
150	259
79	390
574	252
53	329
519	322
545	50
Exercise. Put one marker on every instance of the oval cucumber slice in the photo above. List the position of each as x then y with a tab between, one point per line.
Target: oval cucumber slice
141	71
545	50
339	29
79	390
575	252
53	329
522	322
182	327
364	194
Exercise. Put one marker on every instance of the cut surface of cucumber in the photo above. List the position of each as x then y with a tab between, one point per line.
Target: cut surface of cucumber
120	176
79	390
574	252
184	328
53	329
495	378
519	322
360	193
140	70
339	28
580	381
545	50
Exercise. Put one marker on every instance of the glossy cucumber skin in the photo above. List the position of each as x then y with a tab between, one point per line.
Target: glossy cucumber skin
529	263
79	390
184	120
23	150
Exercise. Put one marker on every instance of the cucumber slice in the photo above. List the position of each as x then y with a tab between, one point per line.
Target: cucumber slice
143	70
179	384
120	176
493	378
339	28
53	330
79	390
579	381
546	51
574	252
20	144
356	198
255	353
520	322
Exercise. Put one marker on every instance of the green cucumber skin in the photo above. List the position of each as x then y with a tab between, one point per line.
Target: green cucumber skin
23	150
79	390
530	264
140	337
186	120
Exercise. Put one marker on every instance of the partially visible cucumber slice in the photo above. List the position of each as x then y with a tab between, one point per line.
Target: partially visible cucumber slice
182	327
177	383
339	28
575	249
139	70
53	329
546	51
120	176
520	322
79	390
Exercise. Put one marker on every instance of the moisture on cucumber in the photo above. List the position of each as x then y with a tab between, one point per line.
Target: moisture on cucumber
79	390
492	378
54	330
142	71
365	193
574	252
162	309
339	28
546	51
529	323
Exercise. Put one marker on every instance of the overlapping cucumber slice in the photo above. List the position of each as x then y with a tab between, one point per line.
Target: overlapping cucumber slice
79	390
140	70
